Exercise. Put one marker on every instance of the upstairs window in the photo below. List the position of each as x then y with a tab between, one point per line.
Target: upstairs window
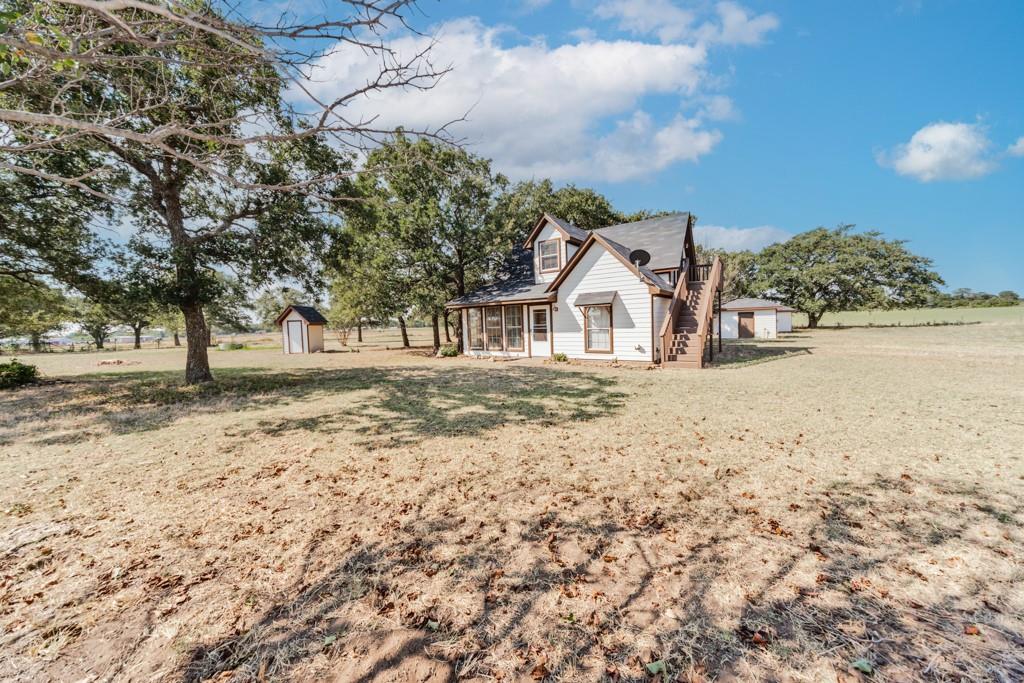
548	250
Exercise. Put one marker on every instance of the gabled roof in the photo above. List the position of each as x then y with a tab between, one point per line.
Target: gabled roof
515	283
569	231
617	250
661	237
308	313
746	304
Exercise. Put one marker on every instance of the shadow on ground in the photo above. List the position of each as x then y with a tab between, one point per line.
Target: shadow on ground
739	353
383	405
618	595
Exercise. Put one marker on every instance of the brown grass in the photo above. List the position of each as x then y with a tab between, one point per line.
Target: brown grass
837	496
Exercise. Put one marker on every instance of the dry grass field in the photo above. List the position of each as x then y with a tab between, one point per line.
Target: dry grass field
813	509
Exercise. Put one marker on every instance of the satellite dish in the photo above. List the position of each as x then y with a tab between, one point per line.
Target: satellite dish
639	257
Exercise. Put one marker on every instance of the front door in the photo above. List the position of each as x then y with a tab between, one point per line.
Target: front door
746	325
294	336
540	331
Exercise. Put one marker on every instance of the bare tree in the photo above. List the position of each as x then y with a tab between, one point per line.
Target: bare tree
202	123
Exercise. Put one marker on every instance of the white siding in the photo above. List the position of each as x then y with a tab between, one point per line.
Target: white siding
548	232
599	271
784	321
730	325
570	249
764	324
482	353
661	305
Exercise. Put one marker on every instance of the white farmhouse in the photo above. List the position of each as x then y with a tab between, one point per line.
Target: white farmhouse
632	292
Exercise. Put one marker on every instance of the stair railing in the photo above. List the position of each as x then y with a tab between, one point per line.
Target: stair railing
705	308
668	326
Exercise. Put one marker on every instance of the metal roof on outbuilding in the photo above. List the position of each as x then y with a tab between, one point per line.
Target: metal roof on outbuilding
746	304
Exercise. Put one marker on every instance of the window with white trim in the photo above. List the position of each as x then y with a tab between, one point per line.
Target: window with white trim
548	254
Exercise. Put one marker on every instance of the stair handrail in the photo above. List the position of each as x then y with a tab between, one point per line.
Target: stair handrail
705	308
675	305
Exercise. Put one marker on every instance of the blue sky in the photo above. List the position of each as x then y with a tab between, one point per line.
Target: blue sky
763	118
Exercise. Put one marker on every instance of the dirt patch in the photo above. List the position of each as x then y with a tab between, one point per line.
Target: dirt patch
372	516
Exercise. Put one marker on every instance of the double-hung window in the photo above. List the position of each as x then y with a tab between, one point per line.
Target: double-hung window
598	324
548	254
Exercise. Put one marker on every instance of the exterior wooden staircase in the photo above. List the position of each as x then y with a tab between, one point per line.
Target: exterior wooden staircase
689	323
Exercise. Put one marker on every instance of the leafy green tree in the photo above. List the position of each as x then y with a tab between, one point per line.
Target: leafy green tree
519	208
738	270
269	304
824	270
170	319
30	309
178	113
95	319
428	222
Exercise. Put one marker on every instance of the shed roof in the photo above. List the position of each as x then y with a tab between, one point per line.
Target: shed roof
515	283
747	303
594	298
308	313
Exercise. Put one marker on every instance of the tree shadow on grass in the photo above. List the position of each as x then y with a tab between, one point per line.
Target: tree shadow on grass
384	405
617	594
741	353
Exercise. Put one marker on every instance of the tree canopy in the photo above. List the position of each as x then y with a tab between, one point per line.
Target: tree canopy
825	270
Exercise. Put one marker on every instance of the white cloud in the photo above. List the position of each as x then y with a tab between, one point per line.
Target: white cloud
568	112
719	108
738	239
1017	148
732	24
942	151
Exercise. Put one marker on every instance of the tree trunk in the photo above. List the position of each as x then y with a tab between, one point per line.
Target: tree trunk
405	332
177	339
37	342
437	331
447	329
812	319
98	338
138	336
359	330
458	333
197	362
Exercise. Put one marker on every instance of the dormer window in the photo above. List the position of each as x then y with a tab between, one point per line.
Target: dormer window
549	259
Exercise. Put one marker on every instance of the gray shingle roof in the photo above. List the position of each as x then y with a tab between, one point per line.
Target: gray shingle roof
574	232
745	303
308	312
661	237
514	284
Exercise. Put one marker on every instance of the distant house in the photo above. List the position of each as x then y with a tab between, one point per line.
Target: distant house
302	329
632	292
755	319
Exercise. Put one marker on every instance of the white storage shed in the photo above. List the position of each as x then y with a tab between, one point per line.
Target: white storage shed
302	329
755	319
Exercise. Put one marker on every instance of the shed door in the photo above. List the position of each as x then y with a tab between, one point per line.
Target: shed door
747	325
294	336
